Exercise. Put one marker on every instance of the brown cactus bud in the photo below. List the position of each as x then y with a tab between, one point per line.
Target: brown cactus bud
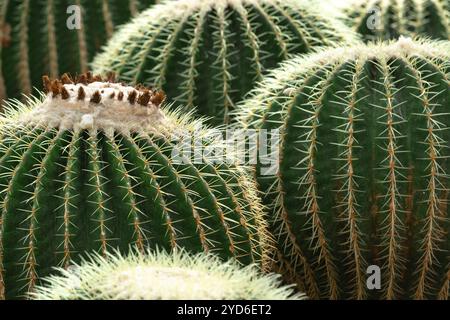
144	98
64	93
82	78
47	84
55	88
158	98
81	93
65	79
132	97
89	77
97	78
96	97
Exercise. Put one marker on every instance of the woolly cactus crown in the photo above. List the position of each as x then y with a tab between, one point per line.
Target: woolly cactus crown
160	276
90	168
42	37
364	169
389	19
210	53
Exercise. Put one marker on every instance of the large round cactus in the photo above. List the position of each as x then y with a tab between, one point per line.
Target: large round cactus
389	19
160	276
91	168
210	53
364	168
54	36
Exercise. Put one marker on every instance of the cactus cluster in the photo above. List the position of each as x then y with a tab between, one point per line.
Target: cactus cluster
160	276
390	19
41	37
89	168
111	189
209	53
364	168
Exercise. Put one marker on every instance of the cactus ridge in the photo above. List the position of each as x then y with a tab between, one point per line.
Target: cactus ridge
70	186
364	167
159	276
36	40
389	19
208	54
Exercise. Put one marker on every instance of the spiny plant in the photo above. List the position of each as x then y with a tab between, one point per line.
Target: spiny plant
364	168
209	53
91	168
162	276
37	37
389	19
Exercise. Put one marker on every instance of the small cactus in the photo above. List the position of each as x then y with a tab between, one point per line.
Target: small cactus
90	168
40	37
160	276
209	53
364	168
390	19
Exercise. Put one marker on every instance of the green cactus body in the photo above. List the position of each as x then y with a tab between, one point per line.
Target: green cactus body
209	53
389	19
90	169
364	168
160	276
36	40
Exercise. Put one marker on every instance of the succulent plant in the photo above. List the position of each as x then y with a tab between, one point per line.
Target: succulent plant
364	168
389	19
38	37
209	53
91	168
162	276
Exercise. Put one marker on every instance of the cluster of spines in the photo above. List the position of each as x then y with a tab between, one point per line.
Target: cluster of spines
390	19
209	54
375	191
140	94
161	276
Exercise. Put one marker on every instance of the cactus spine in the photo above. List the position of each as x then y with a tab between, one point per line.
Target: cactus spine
90	169
389	19
160	276
36	38
209	53
364	168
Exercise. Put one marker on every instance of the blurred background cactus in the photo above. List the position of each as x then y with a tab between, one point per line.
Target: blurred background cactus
364	168
55	36
209	53
389	19
160	276
91	168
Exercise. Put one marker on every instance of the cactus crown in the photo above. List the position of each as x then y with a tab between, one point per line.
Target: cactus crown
389	19
87	103
209	53
364	167
160	276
